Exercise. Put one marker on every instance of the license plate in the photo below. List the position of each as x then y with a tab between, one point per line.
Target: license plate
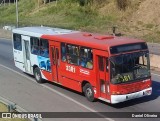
148	92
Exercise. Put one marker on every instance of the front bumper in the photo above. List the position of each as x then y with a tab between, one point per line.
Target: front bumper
121	98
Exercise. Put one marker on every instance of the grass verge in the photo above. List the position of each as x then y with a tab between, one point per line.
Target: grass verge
3	108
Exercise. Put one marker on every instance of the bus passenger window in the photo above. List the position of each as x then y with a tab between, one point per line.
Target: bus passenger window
35	45
63	52
44	48
86	58
17	42
72	54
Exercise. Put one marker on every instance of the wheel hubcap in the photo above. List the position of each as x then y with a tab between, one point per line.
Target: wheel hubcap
37	76
89	92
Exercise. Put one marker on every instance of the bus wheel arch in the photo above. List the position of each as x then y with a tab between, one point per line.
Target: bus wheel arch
84	82
34	66
88	91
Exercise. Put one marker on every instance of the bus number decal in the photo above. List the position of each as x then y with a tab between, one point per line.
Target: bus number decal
71	69
124	78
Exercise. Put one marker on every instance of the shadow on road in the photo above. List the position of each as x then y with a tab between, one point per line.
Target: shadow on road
155	95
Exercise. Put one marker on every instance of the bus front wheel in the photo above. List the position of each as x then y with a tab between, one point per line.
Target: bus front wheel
38	76
89	93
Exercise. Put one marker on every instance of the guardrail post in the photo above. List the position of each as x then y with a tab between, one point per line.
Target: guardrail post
35	119
11	107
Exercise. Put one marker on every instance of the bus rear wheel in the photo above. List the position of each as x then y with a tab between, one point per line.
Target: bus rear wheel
89	93
37	75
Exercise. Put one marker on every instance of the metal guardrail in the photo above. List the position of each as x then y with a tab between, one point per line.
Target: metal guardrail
14	107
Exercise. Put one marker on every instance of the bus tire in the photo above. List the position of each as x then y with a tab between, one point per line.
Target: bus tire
37	75
88	92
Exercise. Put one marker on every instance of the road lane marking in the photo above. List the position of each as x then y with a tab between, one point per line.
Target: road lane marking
59	93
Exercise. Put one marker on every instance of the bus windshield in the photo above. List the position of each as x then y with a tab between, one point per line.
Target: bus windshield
130	67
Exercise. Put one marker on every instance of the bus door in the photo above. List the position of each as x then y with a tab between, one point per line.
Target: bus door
54	54
103	77
26	53
18	51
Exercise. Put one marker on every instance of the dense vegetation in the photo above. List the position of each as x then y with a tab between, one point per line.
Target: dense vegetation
86	15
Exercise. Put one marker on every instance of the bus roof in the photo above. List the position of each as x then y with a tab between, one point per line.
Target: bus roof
98	41
39	31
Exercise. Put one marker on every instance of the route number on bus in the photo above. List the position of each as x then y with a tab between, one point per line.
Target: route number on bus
71	69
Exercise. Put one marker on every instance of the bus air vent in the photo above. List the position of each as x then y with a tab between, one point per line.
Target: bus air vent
103	37
87	34
50	29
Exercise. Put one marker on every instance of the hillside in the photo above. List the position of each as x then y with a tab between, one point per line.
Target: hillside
140	18
148	12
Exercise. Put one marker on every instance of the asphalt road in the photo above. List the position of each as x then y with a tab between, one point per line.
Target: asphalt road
23	90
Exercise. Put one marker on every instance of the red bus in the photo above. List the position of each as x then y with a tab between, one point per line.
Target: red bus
109	68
